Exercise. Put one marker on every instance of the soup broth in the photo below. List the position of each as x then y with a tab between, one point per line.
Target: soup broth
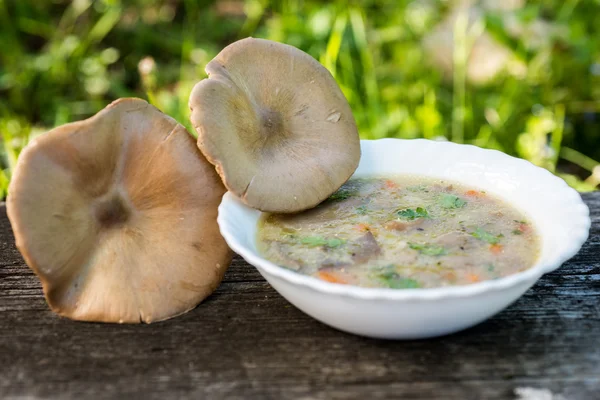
402	232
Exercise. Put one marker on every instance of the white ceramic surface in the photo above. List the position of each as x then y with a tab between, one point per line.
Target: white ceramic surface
556	210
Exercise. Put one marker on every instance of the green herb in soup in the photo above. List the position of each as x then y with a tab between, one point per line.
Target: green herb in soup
410	214
402	233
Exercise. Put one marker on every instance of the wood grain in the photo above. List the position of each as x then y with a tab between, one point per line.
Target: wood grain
246	341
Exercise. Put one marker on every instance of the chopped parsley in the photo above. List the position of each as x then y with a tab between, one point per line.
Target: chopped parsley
316	241
451	201
417	188
362	210
342	194
428	249
486	236
395	281
517	232
410	214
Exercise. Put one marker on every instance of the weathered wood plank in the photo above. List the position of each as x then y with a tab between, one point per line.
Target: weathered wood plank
246	341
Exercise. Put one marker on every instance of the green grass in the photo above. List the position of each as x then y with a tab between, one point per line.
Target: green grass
64	60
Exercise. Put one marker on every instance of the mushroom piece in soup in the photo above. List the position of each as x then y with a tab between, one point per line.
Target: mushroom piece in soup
402	232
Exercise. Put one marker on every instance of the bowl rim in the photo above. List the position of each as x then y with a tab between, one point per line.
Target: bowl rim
579	234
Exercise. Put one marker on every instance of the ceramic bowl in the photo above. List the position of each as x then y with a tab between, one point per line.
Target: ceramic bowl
556	210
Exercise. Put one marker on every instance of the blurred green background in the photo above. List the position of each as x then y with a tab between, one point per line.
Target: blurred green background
519	76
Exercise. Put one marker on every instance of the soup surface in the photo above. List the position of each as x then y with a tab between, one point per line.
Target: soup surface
402	232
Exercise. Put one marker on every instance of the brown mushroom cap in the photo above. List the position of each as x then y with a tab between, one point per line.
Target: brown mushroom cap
117	216
275	124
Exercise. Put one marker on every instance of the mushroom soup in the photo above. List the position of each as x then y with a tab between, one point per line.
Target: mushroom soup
402	232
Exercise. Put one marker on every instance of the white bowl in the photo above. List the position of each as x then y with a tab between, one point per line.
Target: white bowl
556	210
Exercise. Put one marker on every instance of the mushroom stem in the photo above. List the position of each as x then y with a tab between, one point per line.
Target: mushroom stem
272	123
113	211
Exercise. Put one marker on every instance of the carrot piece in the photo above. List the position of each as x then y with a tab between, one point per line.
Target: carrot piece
496	248
362	227
395	226
524	228
474	193
331	277
473	277
390	184
450	276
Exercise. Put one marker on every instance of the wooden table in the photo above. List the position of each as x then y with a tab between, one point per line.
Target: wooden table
246	341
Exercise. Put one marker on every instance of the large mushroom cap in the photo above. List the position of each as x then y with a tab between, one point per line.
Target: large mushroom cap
275	124
117	216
